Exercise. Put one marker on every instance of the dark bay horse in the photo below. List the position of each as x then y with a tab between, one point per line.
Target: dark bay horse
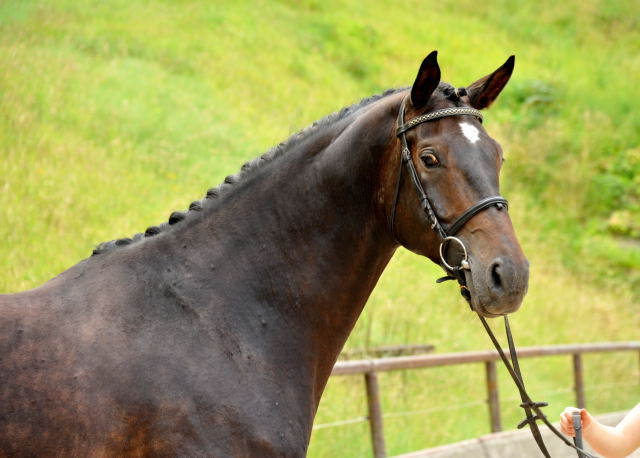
215	334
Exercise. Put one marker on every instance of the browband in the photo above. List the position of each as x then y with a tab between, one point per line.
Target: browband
438	114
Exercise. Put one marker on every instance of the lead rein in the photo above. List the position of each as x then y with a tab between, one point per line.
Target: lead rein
526	399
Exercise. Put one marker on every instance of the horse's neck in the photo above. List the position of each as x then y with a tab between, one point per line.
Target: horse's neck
307	240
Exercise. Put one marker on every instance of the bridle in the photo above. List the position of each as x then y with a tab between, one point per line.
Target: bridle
446	235
532	409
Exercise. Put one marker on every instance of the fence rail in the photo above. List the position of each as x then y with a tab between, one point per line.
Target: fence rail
370	367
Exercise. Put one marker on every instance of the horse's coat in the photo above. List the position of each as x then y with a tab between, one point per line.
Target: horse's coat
216	337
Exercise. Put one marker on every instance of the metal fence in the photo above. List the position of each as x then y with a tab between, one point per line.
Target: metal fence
371	367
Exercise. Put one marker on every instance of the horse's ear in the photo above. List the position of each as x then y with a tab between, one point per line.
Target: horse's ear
483	92
427	80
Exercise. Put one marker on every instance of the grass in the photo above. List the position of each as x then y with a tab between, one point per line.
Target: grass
113	114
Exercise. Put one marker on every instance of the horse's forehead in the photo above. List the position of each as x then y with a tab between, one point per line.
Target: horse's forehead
458	132
470	132
473	144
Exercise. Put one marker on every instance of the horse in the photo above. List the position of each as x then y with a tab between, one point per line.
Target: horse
214	334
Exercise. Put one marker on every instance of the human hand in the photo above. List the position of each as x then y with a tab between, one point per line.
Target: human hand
566	420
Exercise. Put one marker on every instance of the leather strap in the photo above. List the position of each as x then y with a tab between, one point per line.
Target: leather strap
526	399
577	427
392	220
497	201
530	418
413	173
434	223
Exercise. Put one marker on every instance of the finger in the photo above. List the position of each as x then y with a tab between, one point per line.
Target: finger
566	426
568	431
585	417
566	418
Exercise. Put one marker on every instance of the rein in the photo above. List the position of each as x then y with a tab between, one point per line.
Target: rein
533	410
528	405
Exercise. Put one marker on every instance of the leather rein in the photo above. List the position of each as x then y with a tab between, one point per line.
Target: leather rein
532	409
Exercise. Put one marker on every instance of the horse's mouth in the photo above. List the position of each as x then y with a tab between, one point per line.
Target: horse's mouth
494	310
486	314
492	298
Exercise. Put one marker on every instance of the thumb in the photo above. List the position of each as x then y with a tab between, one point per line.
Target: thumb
586	418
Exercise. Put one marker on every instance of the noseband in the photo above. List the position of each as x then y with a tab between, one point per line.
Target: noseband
445	235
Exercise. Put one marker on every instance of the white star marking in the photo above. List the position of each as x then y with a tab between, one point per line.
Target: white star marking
471	132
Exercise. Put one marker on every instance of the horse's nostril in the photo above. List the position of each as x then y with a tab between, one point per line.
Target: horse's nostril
495	275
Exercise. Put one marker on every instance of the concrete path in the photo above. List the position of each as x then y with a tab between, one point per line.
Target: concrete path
511	444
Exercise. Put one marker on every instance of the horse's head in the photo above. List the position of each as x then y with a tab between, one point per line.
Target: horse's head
449	188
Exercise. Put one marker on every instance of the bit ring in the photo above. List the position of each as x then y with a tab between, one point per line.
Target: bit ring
464	264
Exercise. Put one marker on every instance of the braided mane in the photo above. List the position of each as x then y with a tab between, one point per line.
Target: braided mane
248	169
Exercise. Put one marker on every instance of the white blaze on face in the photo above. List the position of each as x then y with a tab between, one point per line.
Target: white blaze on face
471	132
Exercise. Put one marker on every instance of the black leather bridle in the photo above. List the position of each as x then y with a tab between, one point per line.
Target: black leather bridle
532	409
446	235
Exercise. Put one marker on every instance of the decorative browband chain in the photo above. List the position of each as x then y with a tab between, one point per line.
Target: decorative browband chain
438	114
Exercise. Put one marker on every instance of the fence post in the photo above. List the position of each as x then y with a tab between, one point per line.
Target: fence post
375	415
493	399
578	379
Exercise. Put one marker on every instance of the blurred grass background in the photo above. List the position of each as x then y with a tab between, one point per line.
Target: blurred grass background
115	113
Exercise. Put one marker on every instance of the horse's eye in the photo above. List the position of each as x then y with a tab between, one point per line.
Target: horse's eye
429	160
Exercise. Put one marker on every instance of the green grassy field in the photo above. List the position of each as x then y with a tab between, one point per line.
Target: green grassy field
113	114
